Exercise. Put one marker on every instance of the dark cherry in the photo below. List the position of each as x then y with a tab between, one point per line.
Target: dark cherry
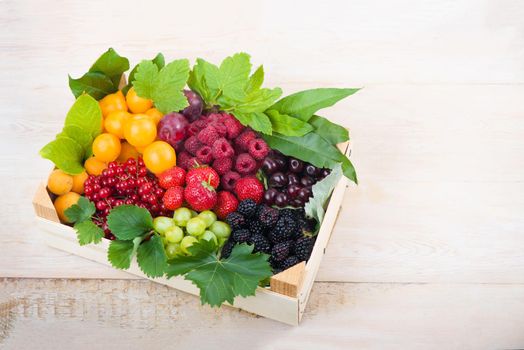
312	170
307	181
281	200
269	196
278	179
304	193
296	165
325	172
269	166
292	190
281	163
293	179
297	203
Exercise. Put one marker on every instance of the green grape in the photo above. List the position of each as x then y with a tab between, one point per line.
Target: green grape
162	223
172	250
209	236
193	213
164	240
196	226
221	241
187	242
174	234
208	216
220	229
181	216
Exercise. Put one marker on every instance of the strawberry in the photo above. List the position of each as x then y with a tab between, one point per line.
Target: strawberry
173	198
226	204
200	195
203	173
173	177
249	188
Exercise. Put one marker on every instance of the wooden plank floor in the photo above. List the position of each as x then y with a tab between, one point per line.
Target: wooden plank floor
428	251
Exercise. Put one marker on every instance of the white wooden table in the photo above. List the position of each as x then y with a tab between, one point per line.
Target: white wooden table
429	249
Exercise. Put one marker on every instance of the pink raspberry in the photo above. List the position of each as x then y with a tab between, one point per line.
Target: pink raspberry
258	149
193	163
245	164
214	117
222	149
229	179
233	126
200	123
222	165
182	159
205	155
208	135
192	145
220	128
242	141
193	130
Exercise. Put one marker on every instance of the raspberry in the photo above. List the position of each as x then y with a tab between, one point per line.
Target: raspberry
245	164
220	128
193	162
205	155
226	204
183	159
235	220
213	118
229	179
192	145
173	198
242	141
193	130
258	149
222	149
234	127
208	135
249	187
200	123
222	165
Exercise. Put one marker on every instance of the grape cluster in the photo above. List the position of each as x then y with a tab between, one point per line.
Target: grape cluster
290	180
126	183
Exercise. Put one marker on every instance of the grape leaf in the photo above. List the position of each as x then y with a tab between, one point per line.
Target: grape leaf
151	257
322	190
129	221
221	280
305	103
330	131
65	153
159	61
112	65
120	252
81	211
87	232
286	125
85	114
95	84
164	87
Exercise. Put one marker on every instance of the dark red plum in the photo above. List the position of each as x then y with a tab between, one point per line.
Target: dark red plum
172	128
194	110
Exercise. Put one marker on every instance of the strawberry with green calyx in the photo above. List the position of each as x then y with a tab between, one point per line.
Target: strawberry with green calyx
200	195
203	173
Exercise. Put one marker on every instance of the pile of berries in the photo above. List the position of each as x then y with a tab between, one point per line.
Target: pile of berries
126	183
286	234
222	142
290	180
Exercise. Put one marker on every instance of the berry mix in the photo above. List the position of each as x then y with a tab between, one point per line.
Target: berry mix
191	178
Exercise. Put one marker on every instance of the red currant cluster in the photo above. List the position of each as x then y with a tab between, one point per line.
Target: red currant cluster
126	183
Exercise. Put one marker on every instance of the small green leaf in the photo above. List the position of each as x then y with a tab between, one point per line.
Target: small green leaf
65	153
75	132
315	207
145	77
349	170
120	253
330	131
112	65
257	121
257	101
305	103
255	80
81	211
286	125
87	232
159	61
233	77
85	114
95	84
129	221
151	257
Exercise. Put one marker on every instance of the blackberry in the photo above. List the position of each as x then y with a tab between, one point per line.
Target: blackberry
303	247
235	220
281	250
268	216
256	227
241	236
289	213
275	265
291	260
285	229
227	249
305	226
247	208
261	243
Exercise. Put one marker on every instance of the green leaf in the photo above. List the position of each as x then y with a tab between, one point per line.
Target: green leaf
315	207
112	65
305	103
120	253
349	170
255	80
330	131
310	147
65	153
159	61
85	114
80	136
286	125
129	221
151	257
145	78
233	77
95	84
257	121
87	232
256	101
81	211
221	280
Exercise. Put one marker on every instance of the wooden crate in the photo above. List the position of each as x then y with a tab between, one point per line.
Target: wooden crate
286	298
